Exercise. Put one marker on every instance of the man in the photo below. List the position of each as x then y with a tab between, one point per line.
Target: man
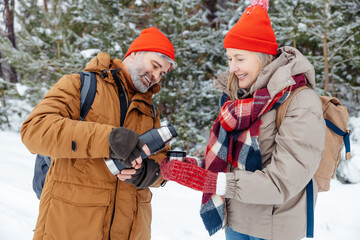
81	199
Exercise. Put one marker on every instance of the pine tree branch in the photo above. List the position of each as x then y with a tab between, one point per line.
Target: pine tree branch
7	83
338	63
340	47
316	34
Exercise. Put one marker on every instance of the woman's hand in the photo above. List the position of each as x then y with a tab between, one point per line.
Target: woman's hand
189	174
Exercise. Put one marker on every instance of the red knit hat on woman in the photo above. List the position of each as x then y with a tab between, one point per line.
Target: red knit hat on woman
152	40
253	31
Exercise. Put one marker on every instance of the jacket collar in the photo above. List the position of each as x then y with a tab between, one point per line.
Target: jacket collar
278	74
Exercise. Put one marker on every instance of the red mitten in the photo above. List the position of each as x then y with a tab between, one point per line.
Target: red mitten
189	175
191	161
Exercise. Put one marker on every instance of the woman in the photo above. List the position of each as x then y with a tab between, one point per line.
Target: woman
254	176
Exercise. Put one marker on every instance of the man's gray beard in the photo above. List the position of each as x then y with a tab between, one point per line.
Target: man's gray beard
135	73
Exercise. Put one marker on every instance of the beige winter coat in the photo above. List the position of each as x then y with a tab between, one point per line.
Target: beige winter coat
271	203
81	199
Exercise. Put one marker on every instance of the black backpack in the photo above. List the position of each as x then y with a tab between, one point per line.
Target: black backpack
88	91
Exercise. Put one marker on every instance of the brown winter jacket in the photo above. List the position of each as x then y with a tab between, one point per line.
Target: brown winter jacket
271	203
81	199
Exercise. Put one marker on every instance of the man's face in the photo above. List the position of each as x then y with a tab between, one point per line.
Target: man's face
146	69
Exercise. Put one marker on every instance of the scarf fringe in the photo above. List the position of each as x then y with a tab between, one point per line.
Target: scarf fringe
212	214
208	220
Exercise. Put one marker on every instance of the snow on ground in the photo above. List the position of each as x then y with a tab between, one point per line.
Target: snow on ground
175	208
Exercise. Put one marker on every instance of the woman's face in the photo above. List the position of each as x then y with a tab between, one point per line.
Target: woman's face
244	64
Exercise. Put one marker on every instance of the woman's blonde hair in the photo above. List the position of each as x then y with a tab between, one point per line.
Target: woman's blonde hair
233	81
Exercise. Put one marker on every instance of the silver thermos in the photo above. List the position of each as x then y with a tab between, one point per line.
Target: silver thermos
155	139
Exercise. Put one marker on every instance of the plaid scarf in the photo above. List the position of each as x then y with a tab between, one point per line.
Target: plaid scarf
234	140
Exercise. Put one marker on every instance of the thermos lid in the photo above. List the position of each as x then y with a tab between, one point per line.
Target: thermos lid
172	130
173	153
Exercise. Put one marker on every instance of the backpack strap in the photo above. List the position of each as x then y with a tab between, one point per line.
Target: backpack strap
123	95
310	209
281	110
345	135
154	110
280	115
153	106
47	160
88	91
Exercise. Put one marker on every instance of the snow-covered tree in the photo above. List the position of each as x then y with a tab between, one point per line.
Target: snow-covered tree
59	37
328	33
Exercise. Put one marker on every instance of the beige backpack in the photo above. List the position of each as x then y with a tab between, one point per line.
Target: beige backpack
336	117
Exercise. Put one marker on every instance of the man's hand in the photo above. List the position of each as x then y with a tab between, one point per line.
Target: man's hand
126	174
126	147
142	177
136	164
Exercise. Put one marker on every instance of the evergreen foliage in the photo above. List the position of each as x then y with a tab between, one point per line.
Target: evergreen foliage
61	37
315	26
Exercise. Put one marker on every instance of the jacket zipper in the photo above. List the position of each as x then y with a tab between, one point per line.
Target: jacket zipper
123	109
113	213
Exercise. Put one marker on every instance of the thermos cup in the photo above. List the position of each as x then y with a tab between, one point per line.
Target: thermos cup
176	155
155	139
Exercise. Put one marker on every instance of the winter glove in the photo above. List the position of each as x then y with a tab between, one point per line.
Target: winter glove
191	160
146	175
125	145
187	173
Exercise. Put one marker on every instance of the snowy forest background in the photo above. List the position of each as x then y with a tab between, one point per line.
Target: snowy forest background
42	40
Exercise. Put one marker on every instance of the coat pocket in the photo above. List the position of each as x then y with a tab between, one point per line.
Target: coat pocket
80	163
142	223
76	212
144	196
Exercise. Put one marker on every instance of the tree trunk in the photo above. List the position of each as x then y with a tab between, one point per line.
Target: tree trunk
1	71
211	6
45	6
9	23
326	59
58	41
326	62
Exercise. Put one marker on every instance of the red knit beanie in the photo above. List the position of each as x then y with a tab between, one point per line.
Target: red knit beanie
151	39
253	31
